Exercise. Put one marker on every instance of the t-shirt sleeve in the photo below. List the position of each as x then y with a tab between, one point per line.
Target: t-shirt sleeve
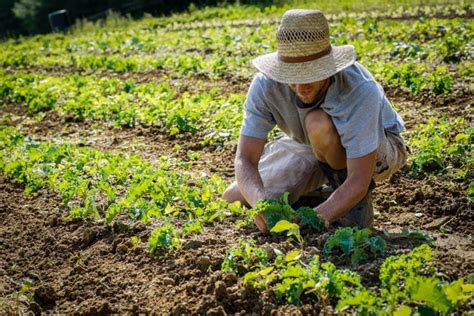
360	125
258	120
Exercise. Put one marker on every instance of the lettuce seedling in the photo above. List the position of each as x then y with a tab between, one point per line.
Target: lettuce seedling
165	237
355	243
307	216
276	211
291	229
244	255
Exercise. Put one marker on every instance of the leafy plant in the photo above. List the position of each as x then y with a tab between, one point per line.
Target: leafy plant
291	229
411	234
275	210
279	214
442	145
356	243
192	226
307	216
165	237
290	279
244	257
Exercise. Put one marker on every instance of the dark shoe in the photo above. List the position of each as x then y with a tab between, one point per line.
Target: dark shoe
335	177
362	214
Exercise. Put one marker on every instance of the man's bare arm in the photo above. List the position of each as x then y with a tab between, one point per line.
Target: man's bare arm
249	151
355	187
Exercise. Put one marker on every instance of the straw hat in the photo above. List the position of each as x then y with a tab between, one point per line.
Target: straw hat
304	52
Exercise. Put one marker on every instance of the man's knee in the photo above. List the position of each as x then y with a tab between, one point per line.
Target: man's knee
319	127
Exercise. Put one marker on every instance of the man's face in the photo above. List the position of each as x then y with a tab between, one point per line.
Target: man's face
308	92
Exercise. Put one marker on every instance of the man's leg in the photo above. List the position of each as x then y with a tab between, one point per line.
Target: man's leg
326	144
324	139
285	166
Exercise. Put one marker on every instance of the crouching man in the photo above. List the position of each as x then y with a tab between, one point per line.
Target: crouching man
339	126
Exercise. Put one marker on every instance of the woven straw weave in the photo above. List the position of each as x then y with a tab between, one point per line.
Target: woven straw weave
304	35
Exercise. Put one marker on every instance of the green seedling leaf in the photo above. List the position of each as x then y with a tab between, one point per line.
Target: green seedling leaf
274	210
377	244
165	237
355	243
308	216
358	255
293	255
266	271
193	226
403	310
292	229
246	255
282	226
428	290
342	238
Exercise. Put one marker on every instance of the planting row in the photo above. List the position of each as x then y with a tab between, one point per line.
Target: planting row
443	36
408	283
99	184
95	184
214	118
217	17
423	55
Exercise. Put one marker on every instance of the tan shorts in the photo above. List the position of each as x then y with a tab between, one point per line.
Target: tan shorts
287	166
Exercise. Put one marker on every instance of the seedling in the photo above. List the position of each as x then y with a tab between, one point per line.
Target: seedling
410	234
245	255
192	226
291	229
356	243
279	216
165	237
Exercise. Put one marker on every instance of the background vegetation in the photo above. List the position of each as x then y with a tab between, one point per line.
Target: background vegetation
27	17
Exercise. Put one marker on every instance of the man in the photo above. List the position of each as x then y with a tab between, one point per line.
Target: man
339	126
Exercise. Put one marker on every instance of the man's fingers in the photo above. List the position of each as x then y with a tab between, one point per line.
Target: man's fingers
259	220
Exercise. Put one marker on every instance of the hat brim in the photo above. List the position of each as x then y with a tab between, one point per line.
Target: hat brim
339	58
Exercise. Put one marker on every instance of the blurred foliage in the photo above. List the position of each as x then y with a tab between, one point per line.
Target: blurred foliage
26	17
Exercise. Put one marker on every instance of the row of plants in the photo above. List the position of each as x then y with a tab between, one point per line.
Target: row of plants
408	284
201	20
388	48
444	36
95	184
213	117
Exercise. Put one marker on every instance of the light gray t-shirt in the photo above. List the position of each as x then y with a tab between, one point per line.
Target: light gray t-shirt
354	100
